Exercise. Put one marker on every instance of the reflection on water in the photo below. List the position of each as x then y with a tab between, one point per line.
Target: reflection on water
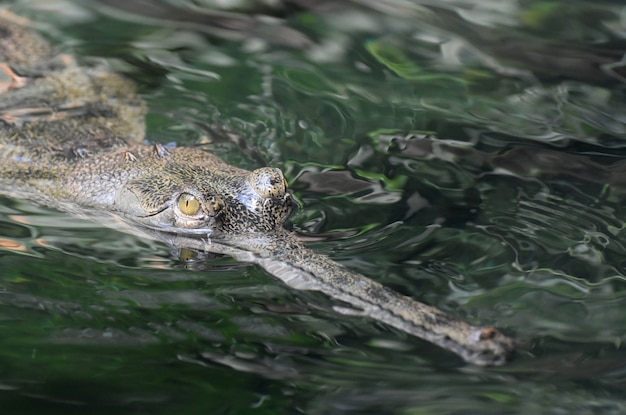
468	155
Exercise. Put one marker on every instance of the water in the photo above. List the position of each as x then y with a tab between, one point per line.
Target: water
474	164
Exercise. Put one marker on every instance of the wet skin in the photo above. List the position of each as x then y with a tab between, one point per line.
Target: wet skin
72	137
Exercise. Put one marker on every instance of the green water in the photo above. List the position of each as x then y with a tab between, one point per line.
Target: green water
474	163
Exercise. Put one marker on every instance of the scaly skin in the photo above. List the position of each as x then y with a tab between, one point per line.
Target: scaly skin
71	137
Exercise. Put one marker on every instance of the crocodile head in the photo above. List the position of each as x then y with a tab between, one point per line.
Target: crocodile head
72	136
190	191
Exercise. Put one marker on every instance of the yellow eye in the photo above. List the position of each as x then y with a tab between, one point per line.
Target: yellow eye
188	204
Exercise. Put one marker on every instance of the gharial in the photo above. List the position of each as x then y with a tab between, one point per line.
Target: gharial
72	138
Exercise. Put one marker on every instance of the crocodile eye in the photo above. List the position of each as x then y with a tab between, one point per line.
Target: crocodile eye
188	204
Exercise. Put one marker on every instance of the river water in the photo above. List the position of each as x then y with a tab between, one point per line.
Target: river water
468	154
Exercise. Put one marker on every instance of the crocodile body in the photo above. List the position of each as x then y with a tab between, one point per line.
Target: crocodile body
72	138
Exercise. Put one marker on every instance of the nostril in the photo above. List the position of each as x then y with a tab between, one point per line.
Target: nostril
268	182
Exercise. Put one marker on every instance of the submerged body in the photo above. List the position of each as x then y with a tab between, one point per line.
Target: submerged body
72	138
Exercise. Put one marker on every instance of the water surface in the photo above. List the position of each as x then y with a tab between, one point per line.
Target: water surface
468	154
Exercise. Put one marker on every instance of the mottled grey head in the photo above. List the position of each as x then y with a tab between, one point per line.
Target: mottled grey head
166	203
190	191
